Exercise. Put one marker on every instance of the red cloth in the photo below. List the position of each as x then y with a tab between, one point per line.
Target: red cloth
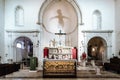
74	53
46	51
84	55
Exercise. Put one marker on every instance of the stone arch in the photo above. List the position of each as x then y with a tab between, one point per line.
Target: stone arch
17	37
72	31
24	50
47	2
106	35
96	48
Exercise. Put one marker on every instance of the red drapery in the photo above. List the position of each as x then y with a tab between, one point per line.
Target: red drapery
46	51
74	53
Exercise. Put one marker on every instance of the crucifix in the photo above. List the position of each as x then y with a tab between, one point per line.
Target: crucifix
60	34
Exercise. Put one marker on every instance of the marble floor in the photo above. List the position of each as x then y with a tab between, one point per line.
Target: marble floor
65	79
81	75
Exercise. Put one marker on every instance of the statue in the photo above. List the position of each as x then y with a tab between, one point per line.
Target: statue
98	71
52	43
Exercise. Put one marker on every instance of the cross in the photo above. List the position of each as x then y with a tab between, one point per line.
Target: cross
60	33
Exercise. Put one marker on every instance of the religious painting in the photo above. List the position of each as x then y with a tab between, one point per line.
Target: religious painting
60	15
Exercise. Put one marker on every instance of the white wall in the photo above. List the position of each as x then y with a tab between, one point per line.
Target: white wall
117	27
106	7
31	9
1	28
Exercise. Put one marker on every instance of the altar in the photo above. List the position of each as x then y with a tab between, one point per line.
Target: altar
59	68
60	58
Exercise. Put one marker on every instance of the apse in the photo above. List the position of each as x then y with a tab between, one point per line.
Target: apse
60	15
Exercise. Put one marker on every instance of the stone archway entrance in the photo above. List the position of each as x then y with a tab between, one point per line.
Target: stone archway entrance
96	49
24	50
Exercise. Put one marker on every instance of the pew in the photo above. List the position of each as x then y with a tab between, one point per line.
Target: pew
114	65
8	68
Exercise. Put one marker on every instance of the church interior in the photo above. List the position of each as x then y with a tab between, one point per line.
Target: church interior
74	39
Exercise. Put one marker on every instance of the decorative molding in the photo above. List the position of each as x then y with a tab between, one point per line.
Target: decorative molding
105	35
97	31
23	31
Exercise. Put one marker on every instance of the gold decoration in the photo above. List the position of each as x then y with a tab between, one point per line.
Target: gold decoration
59	66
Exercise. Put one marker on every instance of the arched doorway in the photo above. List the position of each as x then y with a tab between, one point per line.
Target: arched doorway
24	50
96	49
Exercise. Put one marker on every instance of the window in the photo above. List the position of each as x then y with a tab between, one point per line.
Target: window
19	45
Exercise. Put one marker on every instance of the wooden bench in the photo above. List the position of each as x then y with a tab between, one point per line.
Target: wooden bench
114	65
8	68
